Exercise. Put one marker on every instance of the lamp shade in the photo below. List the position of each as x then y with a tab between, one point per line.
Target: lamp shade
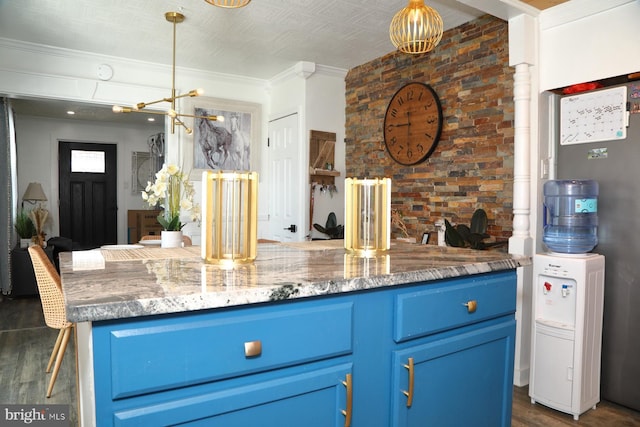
416	29
34	193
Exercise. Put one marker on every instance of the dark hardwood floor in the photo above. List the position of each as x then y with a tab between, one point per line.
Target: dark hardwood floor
26	343
25	346
606	414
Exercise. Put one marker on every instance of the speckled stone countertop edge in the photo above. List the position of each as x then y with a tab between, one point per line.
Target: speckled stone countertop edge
256	284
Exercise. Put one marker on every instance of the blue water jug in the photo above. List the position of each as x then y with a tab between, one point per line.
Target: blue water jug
570	216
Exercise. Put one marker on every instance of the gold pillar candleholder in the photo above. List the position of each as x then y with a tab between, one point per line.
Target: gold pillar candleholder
229	217
367	215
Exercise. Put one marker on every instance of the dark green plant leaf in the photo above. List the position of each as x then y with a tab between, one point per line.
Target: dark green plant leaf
332	221
24	226
464	232
452	237
320	228
479	222
173	225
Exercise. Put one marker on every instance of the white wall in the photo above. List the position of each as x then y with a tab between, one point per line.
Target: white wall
317	94
37	147
327	115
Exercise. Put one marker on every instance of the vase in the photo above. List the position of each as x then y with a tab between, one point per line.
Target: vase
171	239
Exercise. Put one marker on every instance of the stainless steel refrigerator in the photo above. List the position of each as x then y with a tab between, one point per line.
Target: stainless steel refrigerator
615	165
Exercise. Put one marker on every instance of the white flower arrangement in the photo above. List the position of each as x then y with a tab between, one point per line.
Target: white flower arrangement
173	191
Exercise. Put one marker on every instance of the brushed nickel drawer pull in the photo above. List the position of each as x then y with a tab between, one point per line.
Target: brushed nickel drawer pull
253	348
472	306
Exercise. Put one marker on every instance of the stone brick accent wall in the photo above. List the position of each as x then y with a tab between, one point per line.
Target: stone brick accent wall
472	165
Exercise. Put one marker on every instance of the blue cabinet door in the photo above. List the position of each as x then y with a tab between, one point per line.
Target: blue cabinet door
311	399
462	380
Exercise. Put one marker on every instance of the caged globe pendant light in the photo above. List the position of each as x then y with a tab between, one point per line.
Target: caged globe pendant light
416	29
229	4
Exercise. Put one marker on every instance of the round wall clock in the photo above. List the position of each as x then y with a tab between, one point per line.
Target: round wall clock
412	123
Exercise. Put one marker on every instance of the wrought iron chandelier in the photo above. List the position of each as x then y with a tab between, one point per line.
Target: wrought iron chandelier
416	29
175	18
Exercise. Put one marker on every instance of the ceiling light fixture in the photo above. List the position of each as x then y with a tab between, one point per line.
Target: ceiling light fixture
175	18
229	4
416	29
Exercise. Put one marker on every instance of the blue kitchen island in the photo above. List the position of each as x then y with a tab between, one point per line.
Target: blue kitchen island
307	335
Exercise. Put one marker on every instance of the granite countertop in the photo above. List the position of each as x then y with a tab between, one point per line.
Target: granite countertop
114	284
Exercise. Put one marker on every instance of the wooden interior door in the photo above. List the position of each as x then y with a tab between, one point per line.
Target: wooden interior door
88	197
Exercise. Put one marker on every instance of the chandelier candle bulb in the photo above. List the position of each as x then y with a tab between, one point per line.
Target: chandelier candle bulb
229	217
367	215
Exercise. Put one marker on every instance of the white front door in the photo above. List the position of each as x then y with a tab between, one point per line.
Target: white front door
286	180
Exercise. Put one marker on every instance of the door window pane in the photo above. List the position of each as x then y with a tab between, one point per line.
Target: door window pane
87	161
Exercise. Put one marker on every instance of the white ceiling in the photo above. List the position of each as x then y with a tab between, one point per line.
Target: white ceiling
260	40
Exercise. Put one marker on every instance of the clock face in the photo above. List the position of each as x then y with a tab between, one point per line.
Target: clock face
412	123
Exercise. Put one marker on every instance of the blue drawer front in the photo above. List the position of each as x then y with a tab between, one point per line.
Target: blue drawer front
442	307
312	399
179	351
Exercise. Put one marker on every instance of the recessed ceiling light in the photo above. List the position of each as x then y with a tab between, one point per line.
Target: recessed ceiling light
71	113
151	119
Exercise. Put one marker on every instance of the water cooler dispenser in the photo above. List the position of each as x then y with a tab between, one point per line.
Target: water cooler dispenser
567	331
568	293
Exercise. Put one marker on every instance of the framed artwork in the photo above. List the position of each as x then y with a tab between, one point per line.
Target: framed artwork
145	164
425	238
233	144
142	170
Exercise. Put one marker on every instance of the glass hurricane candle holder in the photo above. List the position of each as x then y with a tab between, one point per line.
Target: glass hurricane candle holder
367	215
229	216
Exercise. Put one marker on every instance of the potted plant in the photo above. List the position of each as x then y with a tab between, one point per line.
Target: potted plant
25	228
173	191
39	217
398	222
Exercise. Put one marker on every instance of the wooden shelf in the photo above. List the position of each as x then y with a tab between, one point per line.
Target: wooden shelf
323	176
321	154
323	172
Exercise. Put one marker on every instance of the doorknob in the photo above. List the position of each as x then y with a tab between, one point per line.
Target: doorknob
292	228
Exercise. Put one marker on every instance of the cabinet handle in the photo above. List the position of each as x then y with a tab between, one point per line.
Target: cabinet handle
253	348
347	413
409	393
472	306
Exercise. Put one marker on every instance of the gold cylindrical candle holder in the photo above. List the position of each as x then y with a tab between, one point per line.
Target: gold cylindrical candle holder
229	216
367	215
